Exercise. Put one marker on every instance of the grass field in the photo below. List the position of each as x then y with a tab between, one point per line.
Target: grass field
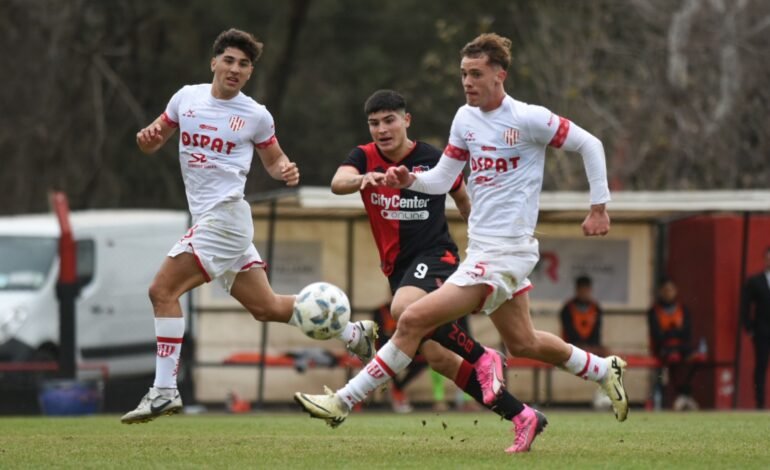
372	440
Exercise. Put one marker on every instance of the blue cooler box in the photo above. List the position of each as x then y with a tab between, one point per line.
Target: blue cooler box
70	397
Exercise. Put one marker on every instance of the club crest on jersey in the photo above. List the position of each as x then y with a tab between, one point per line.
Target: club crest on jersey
420	168
236	123
469	136
189	113
511	136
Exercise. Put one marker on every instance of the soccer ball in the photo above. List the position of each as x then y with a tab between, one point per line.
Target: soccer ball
321	310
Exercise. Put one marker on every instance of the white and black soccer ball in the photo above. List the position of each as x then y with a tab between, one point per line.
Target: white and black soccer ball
321	310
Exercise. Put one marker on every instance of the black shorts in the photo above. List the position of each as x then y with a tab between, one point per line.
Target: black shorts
427	270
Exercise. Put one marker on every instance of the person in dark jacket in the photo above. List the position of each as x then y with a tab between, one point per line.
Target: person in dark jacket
755	316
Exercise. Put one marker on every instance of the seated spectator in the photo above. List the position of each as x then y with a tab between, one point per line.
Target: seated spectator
581	319
581	325
670	340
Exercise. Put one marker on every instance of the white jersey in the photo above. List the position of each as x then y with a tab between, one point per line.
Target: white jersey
506	149
216	143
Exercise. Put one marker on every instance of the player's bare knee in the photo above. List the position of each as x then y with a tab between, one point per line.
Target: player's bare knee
160	295
396	310
412	324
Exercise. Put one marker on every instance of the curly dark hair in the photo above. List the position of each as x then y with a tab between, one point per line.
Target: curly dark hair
238	39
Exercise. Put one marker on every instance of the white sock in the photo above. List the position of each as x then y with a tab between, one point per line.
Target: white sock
586	365
350	334
388	362
292	319
169	332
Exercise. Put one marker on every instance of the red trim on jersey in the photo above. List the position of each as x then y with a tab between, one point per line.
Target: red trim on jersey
588	364
384	366
457	153
263	145
463	374
166	339
385	231
247	266
164	117
561	133
523	290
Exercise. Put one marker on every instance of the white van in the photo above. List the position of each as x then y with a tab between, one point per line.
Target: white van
118	253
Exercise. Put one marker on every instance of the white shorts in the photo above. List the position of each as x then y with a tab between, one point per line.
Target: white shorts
502	263
221	241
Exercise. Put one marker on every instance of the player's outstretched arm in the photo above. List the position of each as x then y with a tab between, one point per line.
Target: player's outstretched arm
348	180
597	222
437	180
278	165
399	177
153	137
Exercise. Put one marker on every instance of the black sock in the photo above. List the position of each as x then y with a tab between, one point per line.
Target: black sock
459	341
506	404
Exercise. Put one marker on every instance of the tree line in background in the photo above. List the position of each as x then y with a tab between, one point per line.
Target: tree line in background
677	90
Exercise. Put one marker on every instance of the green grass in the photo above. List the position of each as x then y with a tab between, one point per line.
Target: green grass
372	440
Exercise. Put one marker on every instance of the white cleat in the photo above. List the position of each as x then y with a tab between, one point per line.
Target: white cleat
155	403
364	349
612	384
328	407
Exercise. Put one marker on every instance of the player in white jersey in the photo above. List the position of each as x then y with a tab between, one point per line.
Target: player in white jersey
504	140
219	129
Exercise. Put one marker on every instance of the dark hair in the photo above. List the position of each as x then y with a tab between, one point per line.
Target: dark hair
496	47
583	281
240	40
384	100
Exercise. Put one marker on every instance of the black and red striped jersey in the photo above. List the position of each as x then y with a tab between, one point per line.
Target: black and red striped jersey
404	223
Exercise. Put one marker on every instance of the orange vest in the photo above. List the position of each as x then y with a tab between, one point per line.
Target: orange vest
584	321
669	321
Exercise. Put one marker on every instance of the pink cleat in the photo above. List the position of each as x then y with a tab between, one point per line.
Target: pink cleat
527	425
489	371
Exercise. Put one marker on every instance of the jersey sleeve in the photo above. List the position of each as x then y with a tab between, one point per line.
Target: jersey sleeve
171	114
357	159
545	127
456	147
264	135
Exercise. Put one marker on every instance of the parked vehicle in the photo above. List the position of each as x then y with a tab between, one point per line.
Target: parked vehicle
118	253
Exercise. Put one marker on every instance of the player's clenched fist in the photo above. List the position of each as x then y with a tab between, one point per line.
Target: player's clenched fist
149	136
597	222
290	173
